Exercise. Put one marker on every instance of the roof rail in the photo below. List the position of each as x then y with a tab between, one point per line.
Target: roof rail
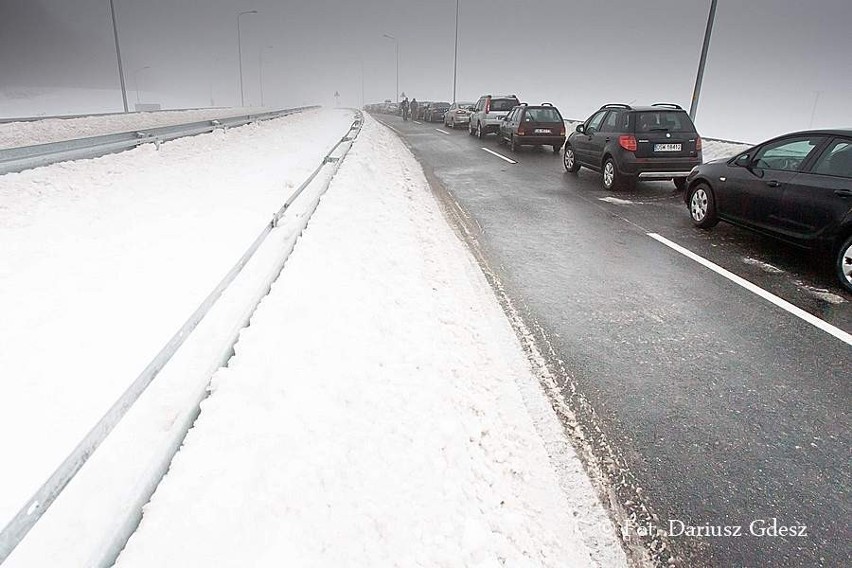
616	105
668	105
547	104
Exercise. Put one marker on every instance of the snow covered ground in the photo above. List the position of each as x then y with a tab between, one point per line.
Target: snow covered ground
372	415
379	410
102	261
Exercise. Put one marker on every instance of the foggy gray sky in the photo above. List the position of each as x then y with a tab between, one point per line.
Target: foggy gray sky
769	62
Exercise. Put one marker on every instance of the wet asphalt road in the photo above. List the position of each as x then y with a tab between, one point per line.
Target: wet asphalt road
726	409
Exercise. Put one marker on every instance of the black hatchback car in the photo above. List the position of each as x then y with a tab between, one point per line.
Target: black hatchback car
529	125
796	188
625	143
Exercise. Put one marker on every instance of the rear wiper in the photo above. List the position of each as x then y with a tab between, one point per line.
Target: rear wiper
659	129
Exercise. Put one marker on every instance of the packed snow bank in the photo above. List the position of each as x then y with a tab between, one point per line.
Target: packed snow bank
715	149
372	414
103	260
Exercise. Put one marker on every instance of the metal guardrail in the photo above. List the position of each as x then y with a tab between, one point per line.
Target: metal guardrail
8	119
15	531
27	157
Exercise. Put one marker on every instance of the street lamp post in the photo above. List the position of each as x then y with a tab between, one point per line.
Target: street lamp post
136	81
396	42
118	56
693	108
240	54
456	53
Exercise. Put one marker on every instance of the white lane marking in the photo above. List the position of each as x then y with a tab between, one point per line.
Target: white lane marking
442	131
769	297
415	122
501	156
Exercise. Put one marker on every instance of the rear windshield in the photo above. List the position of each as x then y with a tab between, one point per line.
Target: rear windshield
663	121
503	104
542	115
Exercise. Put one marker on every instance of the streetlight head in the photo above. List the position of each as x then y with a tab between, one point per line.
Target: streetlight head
389	36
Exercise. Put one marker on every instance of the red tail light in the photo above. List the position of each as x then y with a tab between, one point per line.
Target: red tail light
628	142
487	105
698	143
562	131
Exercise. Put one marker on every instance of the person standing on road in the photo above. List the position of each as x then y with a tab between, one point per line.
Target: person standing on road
413	108
404	105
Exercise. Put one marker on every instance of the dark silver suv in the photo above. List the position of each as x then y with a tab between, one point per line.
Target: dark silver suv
627	143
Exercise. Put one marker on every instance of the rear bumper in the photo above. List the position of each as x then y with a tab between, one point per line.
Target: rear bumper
458	119
645	168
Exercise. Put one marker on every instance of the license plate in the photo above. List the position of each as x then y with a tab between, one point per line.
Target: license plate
667	147
542	131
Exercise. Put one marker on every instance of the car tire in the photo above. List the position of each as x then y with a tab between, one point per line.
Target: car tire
843	262
702	206
479	132
680	183
610	176
470	128
556	149
513	146
569	160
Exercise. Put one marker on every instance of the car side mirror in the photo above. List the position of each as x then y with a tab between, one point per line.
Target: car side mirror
581	128
743	161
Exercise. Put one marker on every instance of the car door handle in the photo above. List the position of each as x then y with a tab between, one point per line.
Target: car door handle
607	138
773	183
843	193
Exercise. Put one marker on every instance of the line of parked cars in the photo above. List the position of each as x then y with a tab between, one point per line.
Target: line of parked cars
796	188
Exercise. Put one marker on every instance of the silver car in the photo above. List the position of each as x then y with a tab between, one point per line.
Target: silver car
489	113
459	113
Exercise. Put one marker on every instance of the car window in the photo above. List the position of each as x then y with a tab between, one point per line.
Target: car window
663	121
543	115
594	123
611	122
787	155
836	160
503	104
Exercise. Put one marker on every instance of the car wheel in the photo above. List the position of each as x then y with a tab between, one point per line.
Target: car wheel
680	183
569	160
470	128
556	149
514	145
702	207
844	264
609	175
479	132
